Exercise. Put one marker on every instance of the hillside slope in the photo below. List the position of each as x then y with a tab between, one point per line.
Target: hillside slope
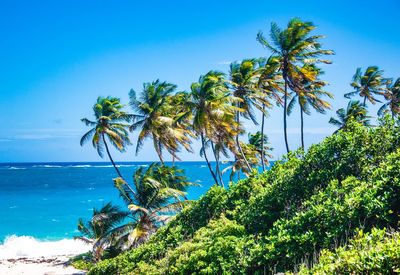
282	219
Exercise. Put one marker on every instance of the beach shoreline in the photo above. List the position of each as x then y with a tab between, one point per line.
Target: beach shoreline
43	265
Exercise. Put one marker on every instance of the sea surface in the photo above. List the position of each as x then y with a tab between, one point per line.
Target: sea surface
40	203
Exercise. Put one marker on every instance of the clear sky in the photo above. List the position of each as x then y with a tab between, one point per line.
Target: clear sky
56	57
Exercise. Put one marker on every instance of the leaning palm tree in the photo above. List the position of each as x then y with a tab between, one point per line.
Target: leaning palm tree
392	97
354	111
308	95
99	229
294	46
108	126
212	110
160	193
244	80
368	85
154	121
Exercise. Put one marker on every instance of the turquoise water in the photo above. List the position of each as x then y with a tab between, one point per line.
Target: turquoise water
45	200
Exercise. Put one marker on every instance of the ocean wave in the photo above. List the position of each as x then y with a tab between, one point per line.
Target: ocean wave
27	246
46	166
16	168
80	166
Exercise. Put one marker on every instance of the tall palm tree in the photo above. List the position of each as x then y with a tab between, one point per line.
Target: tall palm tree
212	111
294	46
98	230
108	126
160	193
244	79
154	121
369	84
392	97
354	111
309	95
270	84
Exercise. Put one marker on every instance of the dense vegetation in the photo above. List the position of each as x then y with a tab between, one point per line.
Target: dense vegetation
282	219
270	222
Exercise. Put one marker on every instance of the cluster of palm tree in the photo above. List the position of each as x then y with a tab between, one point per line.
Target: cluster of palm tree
369	86
159	193
215	108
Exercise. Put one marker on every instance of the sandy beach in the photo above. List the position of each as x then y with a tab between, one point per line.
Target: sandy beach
56	265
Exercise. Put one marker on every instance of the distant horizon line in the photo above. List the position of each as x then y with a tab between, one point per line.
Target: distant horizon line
117	162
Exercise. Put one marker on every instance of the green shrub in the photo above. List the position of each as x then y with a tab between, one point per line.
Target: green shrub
377	252
276	220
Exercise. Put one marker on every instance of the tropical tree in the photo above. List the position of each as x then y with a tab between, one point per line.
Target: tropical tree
261	145
244	80
108	126
368	85
153	120
160	193
294	47
213	111
309	95
392	97
354	111
100	228
239	165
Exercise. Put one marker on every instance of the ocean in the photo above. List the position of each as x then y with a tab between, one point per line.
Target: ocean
41	203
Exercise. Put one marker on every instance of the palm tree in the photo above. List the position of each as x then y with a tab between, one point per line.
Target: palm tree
244	79
154	121
368	85
261	145
239	166
270	84
99	229
160	193
309	95
294	47
212	110
108	126
392	97
354	111
178	109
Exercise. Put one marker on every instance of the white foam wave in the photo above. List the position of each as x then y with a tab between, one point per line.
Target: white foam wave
26	246
16	168
47	166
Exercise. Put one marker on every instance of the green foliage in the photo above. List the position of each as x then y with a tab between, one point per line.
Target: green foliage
377	252
277	220
83	261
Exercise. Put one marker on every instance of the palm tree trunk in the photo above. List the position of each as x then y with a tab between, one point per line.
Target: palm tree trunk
115	166
217	164
109	156
238	143
158	149
203	147
302	126
284	118
365	101
262	139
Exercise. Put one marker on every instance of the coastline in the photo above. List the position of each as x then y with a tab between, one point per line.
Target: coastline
28	255
54	265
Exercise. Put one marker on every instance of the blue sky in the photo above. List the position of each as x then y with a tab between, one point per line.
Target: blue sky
56	57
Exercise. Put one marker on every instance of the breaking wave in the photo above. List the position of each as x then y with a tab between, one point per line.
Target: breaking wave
26	246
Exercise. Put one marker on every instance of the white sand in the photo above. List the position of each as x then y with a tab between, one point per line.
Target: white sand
56	265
